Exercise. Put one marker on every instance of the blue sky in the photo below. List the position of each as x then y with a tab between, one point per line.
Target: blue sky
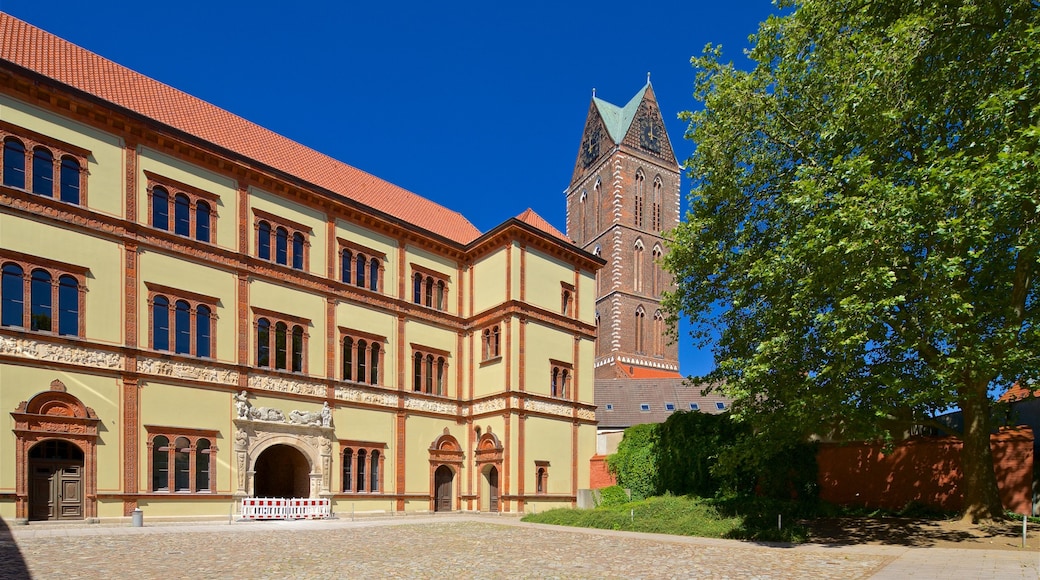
478	106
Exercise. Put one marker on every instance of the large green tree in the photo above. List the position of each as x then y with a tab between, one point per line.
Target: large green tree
863	228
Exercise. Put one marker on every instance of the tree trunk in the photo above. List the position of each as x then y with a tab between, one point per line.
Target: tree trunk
979	484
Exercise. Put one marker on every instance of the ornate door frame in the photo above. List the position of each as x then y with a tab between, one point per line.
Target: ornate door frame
446	451
490	453
55	414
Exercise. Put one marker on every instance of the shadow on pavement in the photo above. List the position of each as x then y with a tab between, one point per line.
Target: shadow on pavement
12	564
908	532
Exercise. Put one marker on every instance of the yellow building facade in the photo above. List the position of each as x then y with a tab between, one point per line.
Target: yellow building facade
188	318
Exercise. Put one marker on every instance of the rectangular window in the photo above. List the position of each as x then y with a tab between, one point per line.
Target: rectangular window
695	407
669	406
31	158
720	406
429	287
181	460
193	210
33	290
182	319
291	240
644	407
283	334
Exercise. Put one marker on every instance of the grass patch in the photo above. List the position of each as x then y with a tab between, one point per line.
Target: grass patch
734	518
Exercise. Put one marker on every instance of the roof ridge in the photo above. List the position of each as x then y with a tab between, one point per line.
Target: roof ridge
46	54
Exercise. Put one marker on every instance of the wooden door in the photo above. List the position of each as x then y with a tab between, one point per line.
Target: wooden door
493	489
442	483
56	491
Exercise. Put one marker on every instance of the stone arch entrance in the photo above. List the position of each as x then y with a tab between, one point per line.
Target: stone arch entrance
55	481
55	456
443	478
281	471
489	462
445	461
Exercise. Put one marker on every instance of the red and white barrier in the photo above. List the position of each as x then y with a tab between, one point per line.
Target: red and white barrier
268	508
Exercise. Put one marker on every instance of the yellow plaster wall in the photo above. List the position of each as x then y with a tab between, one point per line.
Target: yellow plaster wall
543	277
101	393
420	434
163	405
489	281
544	343
585	371
181	274
105	188
104	303
587	297
586	449
173	168
294	303
156	506
548	440
280	206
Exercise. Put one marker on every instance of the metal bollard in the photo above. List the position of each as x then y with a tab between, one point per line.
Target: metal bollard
138	518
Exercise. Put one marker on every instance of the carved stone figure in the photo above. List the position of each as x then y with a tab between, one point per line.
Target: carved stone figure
266	414
305	417
242	404
241	440
326	415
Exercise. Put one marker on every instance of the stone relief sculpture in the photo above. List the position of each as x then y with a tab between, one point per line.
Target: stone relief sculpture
305	417
266	414
242	405
326	415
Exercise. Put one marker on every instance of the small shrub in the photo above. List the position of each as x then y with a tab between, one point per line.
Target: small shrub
612	496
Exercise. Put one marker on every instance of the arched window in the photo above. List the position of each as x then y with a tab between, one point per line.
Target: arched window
373	486
297	349
597	199
657	270
348	359
281	248
69	180
555	390
202	452
542	479
281	330
440	295
495	349
639	201
182	327
441	368
565	383
362	346
182	464
181	215
373	275
361	262
360	470
263	343
14	163
12	305
202	216
348	463
659	333
565	307
640	318
160	464
68	306
297	251
160	208
263	240
374	366
43	172
637	266
160	323
487	344
40	292
203	331
417	289
417	363
429	291
655	210
429	374
347	260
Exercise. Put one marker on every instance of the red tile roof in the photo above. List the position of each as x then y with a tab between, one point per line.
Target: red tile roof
56	58
533	219
1017	392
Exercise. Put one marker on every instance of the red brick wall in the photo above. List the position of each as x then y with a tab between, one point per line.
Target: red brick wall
599	475
924	470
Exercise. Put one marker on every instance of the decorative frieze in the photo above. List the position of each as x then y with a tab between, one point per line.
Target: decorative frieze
61	353
385	399
283	385
183	370
587	414
432	405
547	407
487	406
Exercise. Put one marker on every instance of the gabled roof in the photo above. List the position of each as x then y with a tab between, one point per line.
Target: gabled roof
1018	392
619	119
626	397
529	217
45	54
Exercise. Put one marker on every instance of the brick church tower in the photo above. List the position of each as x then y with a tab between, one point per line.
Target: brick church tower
623	195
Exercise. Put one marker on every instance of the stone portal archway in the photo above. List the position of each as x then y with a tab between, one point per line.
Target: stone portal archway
445	461
489	462
281	471
443	479
57	434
